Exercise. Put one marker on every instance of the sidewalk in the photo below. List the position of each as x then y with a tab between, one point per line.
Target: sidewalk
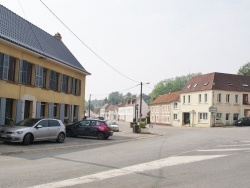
125	134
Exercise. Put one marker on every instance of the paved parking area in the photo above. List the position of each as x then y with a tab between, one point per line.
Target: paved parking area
125	134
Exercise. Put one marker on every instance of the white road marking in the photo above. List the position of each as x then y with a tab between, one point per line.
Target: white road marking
153	165
233	145
233	149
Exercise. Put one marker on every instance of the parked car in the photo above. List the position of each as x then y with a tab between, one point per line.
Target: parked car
89	127
34	129
245	121
113	126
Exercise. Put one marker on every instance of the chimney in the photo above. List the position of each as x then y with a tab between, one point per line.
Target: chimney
58	36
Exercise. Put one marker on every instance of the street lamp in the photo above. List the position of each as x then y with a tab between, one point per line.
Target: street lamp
141	100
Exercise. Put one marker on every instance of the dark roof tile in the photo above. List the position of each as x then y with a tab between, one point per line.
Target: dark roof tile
18	31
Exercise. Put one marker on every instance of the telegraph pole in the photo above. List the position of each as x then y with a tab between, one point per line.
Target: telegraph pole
140	103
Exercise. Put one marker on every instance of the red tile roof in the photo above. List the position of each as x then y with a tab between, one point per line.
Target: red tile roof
218	81
167	98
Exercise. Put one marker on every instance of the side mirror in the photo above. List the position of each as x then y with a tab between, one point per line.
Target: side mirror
39	126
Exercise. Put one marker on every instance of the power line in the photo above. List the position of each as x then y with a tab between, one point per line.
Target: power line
117	91
87	45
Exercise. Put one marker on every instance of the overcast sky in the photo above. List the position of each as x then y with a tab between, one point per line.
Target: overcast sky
145	40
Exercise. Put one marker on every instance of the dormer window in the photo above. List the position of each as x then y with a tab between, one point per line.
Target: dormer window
245	85
206	84
195	85
189	86
230	84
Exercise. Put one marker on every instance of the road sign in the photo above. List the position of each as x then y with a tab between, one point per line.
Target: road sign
212	109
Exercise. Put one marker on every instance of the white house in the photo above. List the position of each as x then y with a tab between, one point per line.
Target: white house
129	111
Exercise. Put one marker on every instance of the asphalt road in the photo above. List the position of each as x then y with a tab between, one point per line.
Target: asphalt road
183	157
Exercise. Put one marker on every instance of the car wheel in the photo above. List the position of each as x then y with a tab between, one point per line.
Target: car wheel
100	136
27	139
61	138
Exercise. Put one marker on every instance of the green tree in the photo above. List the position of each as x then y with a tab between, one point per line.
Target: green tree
115	97
244	70
171	85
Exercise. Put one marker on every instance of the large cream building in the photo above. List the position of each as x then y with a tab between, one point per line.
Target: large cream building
39	76
214	99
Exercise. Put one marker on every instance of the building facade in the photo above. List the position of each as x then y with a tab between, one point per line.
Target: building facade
164	109
39	76
215	99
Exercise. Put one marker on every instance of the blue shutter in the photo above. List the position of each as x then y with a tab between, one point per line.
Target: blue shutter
2	110
19	110
71	115
51	110
62	110
5	67
21	71
1	65
41	77
38	109
37	76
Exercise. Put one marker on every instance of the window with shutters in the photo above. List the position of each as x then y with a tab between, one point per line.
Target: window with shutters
39	76
73	86
12	69
54	78
7	67
64	83
25	72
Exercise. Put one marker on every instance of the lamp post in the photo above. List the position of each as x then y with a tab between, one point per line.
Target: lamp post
141	101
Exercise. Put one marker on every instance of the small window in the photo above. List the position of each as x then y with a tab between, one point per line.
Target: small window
206	84
219	97
205	97
228	98
203	116
189	86
195	85
175	116
199	98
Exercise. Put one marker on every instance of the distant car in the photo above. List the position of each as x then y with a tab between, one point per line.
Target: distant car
34	129
113	126
245	121
89	127
101	118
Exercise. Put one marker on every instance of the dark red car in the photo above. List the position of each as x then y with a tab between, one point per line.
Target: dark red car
89	127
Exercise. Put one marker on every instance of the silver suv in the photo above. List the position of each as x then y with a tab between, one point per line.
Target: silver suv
33	129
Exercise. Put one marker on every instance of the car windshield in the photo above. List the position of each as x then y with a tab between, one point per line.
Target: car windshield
29	122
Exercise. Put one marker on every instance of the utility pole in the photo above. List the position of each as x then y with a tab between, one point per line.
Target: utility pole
140	103
89	104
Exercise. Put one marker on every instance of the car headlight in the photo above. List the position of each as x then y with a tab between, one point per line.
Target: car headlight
19	132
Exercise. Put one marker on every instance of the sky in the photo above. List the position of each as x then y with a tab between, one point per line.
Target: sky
123	43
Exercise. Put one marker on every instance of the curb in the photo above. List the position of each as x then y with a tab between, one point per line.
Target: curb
149	135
